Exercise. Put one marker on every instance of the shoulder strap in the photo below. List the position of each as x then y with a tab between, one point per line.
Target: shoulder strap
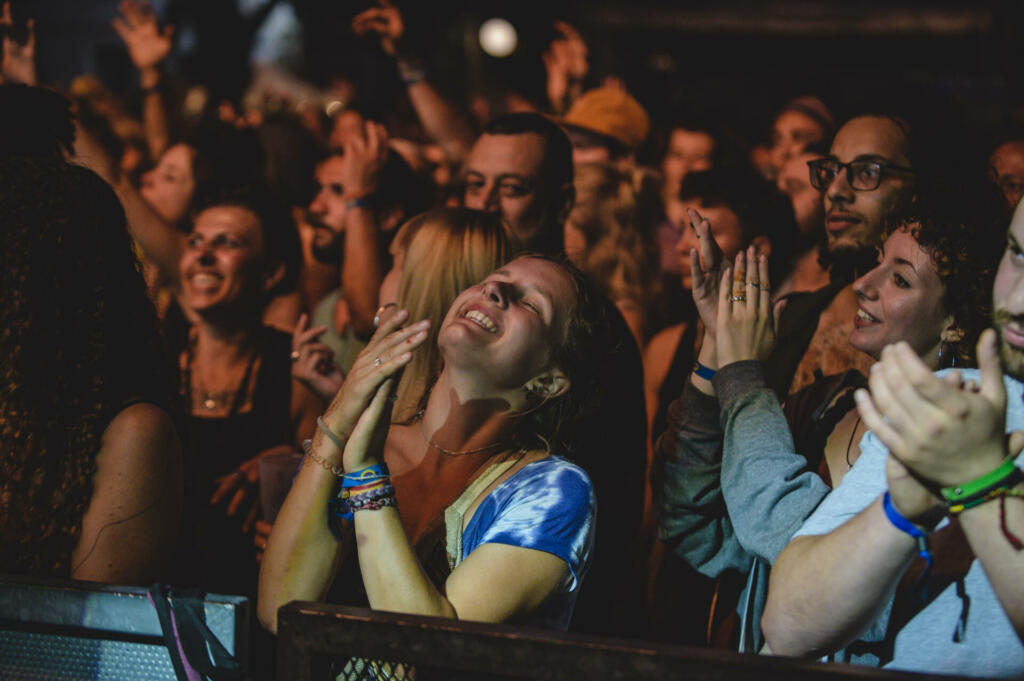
455	514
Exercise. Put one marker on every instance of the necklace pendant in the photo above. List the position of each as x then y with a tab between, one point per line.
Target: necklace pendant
210	403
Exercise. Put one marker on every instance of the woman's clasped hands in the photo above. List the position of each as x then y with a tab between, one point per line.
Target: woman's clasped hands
361	407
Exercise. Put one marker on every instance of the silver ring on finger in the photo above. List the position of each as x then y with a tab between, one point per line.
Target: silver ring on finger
294	356
758	286
377	361
737	299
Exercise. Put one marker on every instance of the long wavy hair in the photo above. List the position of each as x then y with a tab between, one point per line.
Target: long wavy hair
447	250
79	341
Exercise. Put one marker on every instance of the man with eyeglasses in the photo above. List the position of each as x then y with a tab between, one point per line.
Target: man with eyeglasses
864	179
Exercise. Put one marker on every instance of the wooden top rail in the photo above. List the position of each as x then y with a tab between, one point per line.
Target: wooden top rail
310	631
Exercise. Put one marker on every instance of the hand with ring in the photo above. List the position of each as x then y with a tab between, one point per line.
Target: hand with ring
371	379
313	362
746	320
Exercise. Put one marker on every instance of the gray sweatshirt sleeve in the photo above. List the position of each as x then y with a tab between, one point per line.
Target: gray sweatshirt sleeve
692	517
766	486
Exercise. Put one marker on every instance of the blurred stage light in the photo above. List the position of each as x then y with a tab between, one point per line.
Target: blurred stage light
498	37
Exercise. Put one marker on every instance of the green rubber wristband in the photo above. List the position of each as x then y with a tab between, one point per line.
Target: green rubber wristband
960	493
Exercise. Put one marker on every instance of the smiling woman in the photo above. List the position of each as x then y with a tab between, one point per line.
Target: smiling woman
740	475
235	374
494	527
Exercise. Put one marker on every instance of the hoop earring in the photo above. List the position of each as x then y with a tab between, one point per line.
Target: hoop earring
949	351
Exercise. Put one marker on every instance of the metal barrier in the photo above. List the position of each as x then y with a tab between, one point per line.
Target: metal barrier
64	630
318	641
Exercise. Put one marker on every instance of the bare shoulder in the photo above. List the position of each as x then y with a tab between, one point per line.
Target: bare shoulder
139	433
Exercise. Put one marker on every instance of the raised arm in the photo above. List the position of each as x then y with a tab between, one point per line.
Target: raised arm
18	60
161	242
766	485
363	270
439	118
303	552
148	47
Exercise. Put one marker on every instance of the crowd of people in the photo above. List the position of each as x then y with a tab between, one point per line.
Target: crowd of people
758	398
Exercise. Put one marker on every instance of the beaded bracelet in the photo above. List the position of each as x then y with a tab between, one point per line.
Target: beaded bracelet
307	447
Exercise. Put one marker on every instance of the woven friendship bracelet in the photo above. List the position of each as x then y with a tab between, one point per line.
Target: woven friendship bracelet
378	504
377	471
373	493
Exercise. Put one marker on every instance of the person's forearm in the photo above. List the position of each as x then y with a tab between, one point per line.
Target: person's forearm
154	116
362	270
826	590
392	574
1003	564
768	491
692	518
302	554
162	243
440	120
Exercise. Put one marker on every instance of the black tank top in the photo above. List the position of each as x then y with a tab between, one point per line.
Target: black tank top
225	556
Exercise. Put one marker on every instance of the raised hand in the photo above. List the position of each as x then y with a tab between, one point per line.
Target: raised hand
148	45
18	63
363	158
746	320
313	362
385	21
942	431
388	351
706	271
565	61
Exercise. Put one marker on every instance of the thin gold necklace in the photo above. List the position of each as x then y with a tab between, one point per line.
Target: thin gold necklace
423	434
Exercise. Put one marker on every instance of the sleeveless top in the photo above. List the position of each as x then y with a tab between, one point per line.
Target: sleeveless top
225	557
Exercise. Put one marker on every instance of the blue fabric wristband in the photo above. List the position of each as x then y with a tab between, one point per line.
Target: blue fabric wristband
704	372
904	525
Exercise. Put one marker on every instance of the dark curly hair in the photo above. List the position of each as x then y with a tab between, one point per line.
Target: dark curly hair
79	340
582	355
961	225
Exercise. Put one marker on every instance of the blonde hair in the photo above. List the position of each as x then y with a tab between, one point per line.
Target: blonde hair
606	213
447	250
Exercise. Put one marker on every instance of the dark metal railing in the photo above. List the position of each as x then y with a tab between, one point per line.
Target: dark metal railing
317	641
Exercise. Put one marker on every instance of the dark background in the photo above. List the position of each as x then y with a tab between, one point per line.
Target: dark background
738	59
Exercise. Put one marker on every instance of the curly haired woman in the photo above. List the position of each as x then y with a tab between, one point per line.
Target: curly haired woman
90	460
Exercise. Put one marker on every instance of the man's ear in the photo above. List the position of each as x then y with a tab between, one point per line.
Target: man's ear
566	197
548	385
273	276
763	244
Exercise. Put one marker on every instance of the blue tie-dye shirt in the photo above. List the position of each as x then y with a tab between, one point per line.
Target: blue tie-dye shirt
548	505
